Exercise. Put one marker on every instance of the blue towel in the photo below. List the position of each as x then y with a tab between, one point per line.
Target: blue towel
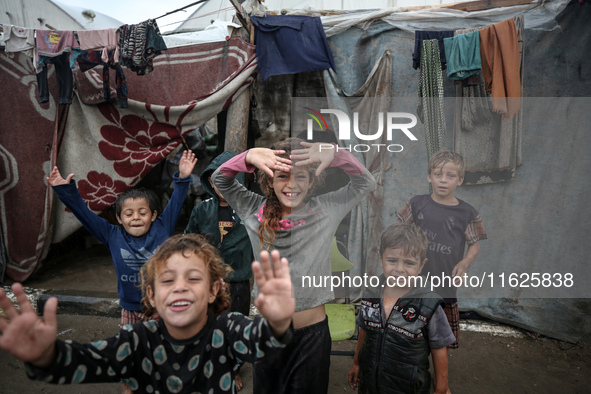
463	55
429	35
290	44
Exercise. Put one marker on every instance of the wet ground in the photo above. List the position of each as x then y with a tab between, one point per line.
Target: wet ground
485	363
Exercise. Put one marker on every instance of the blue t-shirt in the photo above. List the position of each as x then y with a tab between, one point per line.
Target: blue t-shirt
129	253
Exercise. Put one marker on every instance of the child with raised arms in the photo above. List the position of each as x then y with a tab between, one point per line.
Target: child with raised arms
401	323
301	227
142	230
192	348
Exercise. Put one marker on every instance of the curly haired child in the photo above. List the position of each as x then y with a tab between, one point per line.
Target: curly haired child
193	347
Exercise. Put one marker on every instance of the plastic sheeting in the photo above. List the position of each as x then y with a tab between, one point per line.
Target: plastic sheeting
540	220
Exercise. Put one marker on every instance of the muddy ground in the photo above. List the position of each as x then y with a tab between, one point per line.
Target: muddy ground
484	363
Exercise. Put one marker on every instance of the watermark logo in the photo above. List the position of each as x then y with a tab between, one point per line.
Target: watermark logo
395	124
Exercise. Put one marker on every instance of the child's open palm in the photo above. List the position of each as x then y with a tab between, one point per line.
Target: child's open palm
187	163
268	160
314	153
275	301
27	336
55	178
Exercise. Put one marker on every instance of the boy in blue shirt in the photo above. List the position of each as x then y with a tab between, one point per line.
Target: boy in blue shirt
449	224
140	233
401	322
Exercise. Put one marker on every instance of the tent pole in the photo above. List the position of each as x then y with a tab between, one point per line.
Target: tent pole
237	123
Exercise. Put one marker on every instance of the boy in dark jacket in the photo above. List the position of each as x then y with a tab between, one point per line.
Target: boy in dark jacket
215	219
401	323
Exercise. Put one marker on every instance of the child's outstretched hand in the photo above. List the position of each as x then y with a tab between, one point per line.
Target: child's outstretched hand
318	152
268	160
187	163
275	301
27	336
55	178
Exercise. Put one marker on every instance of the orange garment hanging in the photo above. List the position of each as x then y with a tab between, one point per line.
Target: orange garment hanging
499	52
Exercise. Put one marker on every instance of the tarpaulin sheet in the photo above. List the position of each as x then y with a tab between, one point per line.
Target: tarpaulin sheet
109	149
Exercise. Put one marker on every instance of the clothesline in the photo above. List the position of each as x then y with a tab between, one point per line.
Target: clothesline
182	8
200	16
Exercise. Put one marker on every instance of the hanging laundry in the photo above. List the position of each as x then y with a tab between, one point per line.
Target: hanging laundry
290	45
87	60
65	80
139	45
490	143
103	40
19	39
463	55
430	106
51	43
499	51
430	35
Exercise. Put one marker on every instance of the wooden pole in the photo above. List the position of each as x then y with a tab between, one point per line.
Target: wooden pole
237	123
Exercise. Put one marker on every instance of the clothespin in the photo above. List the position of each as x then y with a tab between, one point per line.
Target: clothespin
49	26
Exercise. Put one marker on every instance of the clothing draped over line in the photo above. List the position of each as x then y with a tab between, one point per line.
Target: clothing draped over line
54	47
430	107
290	44
139	45
87	60
19	39
421	35
70	51
463	55
489	142
499	50
100	40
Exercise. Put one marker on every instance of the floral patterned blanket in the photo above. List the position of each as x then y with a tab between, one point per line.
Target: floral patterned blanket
109	149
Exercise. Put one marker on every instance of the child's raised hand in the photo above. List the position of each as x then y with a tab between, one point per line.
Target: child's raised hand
187	163
27	336
268	160
55	178
275	301
318	152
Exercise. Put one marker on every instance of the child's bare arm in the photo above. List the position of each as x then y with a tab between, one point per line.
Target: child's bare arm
354	371
462	266
440	357
187	163
268	160
314	153
275	301
27	336
55	178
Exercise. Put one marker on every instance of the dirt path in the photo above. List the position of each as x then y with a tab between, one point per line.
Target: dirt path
483	364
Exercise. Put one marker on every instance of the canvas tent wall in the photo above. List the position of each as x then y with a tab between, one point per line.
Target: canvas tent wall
537	222
37	13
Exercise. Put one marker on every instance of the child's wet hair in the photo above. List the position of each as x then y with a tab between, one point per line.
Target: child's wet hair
408	237
188	244
272	212
135	194
445	156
